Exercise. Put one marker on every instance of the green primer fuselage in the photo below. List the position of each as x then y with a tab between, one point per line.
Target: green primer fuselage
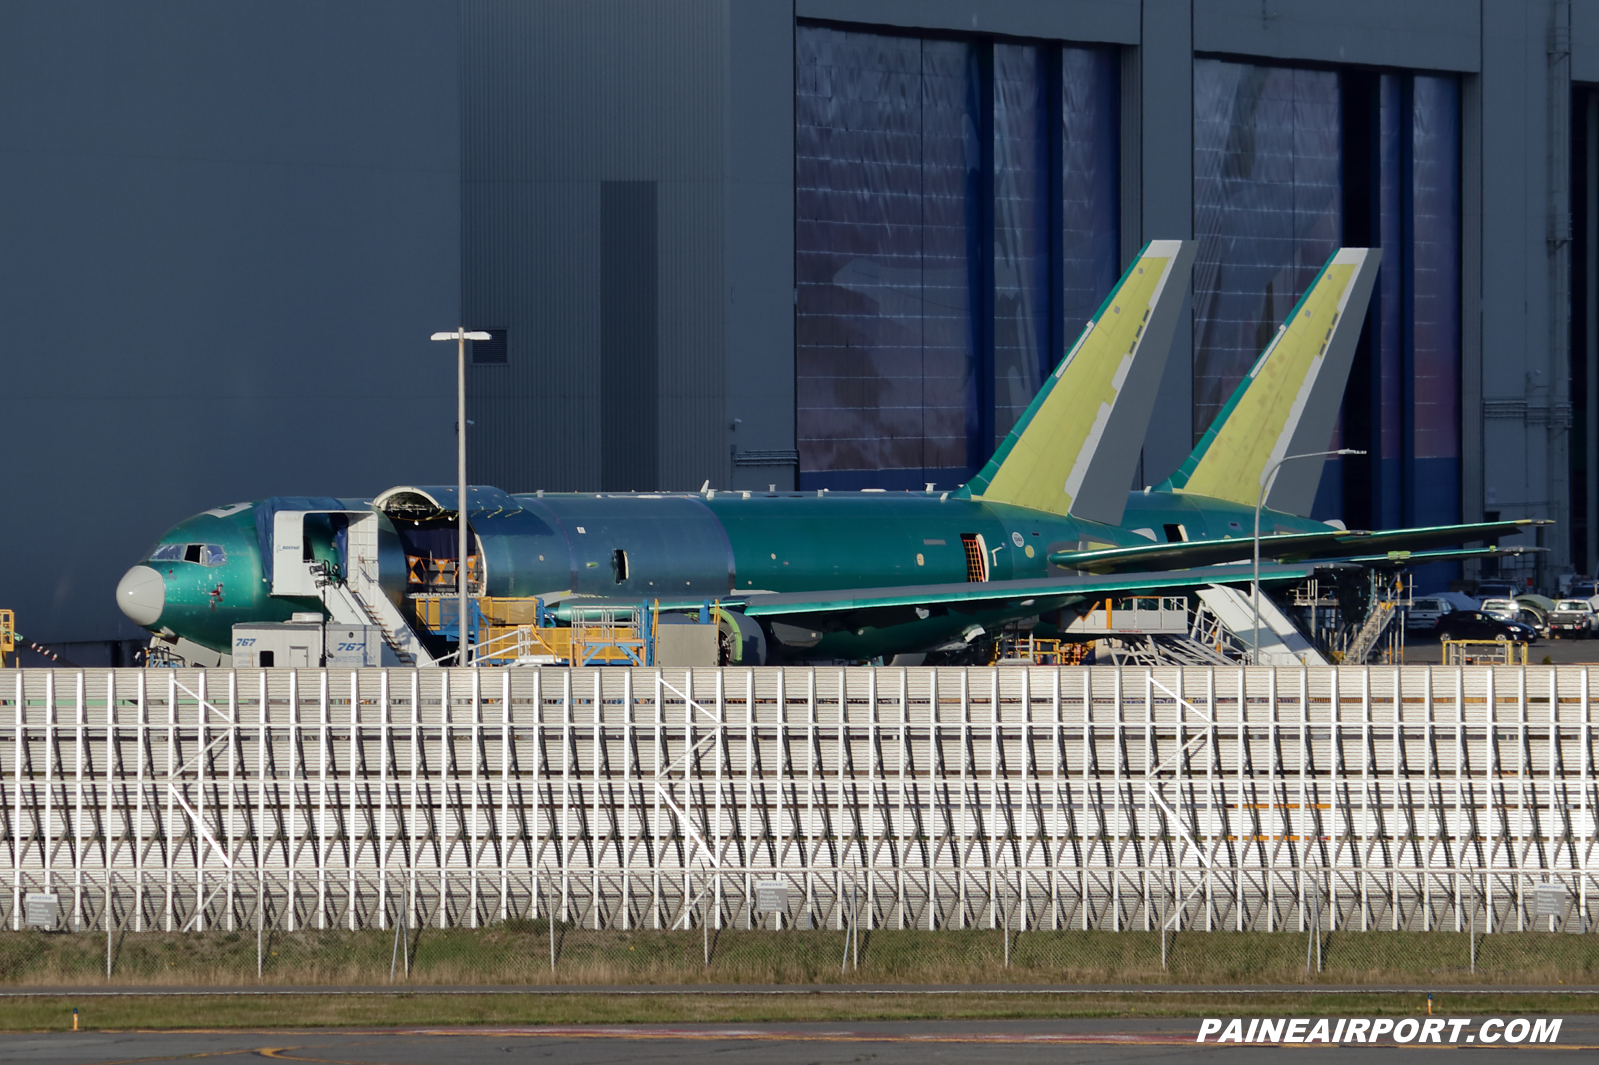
683	549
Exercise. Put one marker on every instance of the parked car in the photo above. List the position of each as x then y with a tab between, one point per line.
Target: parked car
1476	625
1573	617
1425	611
1505	609
1496	590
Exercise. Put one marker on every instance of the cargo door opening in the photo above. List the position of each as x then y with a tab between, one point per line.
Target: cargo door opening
1176	534
976	557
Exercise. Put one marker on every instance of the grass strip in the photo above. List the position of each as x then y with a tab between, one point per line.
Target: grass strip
519	953
54	1012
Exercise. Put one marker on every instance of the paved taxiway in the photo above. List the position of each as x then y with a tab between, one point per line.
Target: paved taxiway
1165	1041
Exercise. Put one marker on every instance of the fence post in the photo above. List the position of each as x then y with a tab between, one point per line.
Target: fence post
1319	968
260	917
1474	911
549	917
108	935
394	954
855	921
844	917
1005	929
1310	940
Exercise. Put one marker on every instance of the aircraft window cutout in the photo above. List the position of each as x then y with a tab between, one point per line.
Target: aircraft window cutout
619	565
1176	534
976	557
204	554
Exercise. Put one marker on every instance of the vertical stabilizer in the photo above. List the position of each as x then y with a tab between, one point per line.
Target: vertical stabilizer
1288	403
1075	448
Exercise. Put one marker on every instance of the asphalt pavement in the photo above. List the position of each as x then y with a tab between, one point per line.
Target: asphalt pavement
1422	648
1022	1042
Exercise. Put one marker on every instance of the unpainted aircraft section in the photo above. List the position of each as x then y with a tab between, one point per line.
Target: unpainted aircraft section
1045	532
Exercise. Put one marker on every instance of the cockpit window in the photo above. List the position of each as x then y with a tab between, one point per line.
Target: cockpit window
204	554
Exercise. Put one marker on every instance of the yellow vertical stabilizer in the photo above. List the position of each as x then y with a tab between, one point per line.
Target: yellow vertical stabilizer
1288	403
1075	448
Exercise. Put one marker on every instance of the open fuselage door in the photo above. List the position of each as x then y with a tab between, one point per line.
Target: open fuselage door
299	566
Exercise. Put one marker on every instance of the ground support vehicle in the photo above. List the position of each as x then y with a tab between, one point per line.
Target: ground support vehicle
1573	617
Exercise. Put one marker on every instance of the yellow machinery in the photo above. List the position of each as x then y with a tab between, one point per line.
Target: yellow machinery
8	637
1484	653
1014	647
511	632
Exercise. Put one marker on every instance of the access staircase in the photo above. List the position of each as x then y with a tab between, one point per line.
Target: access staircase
1279	639
1155	631
352	598
1158	651
346	606
1364	641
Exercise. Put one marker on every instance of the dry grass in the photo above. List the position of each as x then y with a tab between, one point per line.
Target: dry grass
518	953
54	1012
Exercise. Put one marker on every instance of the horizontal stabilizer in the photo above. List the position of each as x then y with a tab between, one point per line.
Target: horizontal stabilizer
1418	558
1074	450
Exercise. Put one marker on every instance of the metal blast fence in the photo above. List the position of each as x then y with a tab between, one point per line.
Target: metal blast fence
797	823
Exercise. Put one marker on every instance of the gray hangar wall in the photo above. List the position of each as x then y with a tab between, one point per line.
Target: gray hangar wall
627	219
229	230
586	122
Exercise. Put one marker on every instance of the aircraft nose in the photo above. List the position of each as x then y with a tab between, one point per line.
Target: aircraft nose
142	595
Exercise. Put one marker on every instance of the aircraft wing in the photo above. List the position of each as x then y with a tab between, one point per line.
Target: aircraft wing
1331	544
972	597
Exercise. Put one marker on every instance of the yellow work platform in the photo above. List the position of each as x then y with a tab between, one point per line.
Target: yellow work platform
511	633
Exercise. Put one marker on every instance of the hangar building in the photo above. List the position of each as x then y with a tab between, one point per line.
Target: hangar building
817	243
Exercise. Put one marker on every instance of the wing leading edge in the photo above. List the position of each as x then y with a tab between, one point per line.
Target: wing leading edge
1332	544
976	596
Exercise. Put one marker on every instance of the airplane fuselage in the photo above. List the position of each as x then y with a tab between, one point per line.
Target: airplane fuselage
682	549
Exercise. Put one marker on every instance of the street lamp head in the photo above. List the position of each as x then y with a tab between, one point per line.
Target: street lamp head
1348	451
461	334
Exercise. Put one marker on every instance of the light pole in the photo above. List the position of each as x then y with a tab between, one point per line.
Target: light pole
461	336
1268	475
